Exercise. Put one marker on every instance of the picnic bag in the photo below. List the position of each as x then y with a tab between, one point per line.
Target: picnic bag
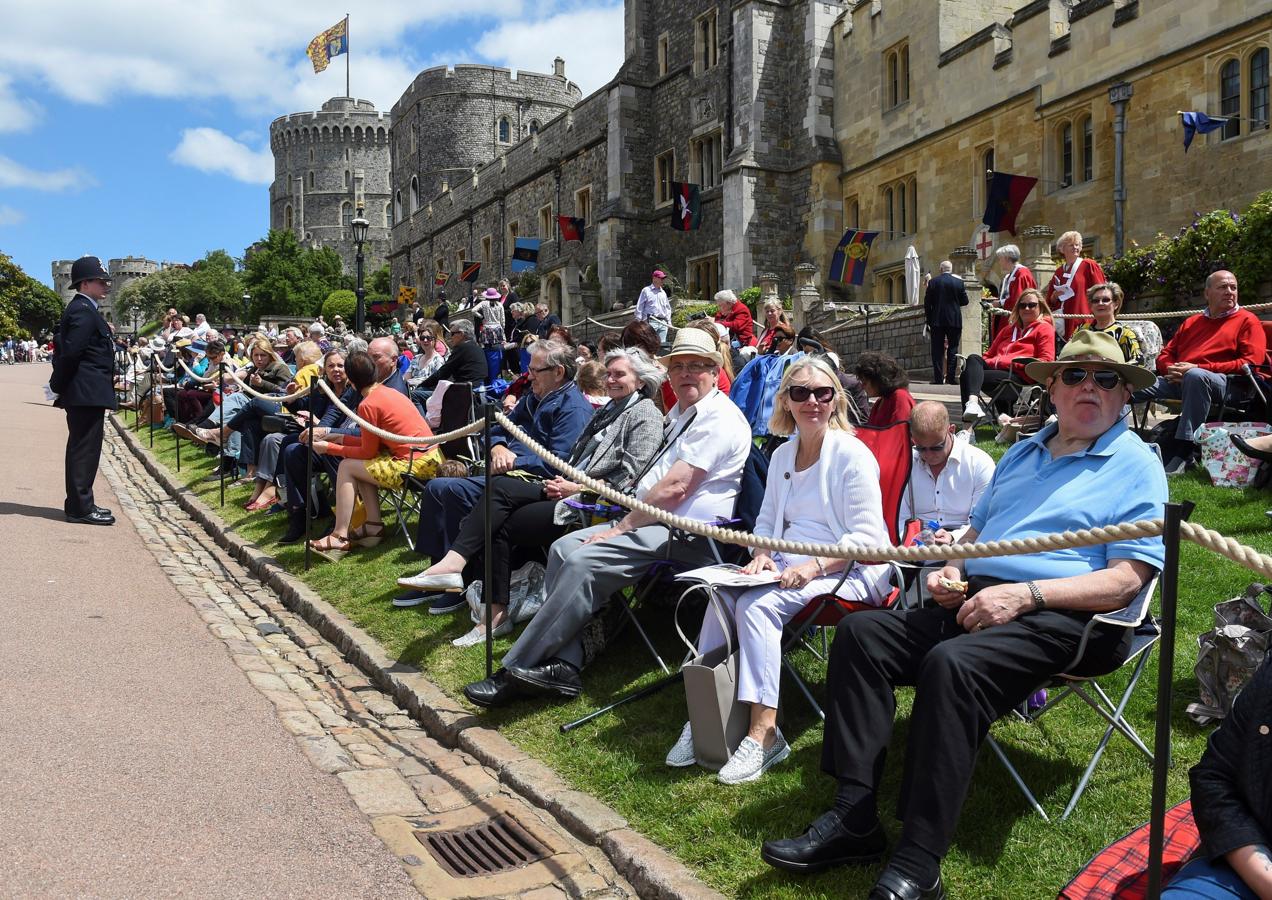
1225	464
718	720
1228	654
151	408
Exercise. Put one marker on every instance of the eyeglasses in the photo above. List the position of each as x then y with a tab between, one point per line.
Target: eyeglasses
697	368
1026	305
541	369
1102	377
1103	298
800	393
935	448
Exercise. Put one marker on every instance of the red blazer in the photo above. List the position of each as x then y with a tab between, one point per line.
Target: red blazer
1038	341
739	322
1069	290
1023	281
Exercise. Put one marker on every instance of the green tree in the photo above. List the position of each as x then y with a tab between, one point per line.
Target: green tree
153	295
213	287
287	279
341	303
27	307
381	281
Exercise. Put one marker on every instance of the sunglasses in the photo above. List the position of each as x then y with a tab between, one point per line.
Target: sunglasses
933	449
1102	377
1027	305
1103	298
800	393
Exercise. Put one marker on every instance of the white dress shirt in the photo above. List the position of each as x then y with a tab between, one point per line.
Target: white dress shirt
653	304
949	497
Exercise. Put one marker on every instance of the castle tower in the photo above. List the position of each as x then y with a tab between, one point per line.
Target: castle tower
326	165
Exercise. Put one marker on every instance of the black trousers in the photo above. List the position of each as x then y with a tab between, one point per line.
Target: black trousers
940	335
963	683
520	519
85	426
976	377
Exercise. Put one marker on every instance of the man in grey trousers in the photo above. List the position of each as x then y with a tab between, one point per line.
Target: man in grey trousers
696	474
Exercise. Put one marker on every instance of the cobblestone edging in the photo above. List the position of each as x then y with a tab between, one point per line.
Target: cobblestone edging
651	871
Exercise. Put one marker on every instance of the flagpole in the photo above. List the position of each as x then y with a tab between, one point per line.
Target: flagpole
348	53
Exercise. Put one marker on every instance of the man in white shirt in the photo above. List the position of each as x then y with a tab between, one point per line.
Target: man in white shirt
654	307
696	474
948	476
201	326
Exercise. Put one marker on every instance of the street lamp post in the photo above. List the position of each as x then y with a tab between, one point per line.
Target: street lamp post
1119	95
247	310
135	312
360	226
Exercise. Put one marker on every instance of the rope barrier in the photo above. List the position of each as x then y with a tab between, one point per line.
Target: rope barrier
251	392
1130	316
412	441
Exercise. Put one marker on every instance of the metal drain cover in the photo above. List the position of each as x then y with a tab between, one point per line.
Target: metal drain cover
497	845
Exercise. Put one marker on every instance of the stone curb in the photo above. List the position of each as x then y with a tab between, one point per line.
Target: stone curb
655	873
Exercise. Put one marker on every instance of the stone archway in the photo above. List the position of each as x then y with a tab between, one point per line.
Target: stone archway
550	293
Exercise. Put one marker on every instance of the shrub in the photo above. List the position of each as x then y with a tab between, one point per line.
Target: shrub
341	303
681	314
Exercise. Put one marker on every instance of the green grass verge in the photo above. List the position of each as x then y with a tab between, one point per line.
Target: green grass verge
1002	849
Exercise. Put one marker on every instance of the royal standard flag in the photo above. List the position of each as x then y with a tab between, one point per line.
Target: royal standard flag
441	278
332	42
848	265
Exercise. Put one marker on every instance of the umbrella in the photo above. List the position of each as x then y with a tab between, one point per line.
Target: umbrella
912	276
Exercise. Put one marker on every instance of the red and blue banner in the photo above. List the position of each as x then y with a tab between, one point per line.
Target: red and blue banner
571	228
525	254
848	264
1007	195
687	214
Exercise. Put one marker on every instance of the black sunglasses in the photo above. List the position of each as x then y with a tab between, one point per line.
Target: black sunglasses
1102	377
1027	305
799	393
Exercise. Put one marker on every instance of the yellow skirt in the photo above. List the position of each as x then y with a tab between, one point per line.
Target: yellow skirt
388	470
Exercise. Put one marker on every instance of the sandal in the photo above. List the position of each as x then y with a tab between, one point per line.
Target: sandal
332	547
364	536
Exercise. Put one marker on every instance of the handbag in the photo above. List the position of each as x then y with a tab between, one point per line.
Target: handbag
718	720
277	424
1229	653
1225	464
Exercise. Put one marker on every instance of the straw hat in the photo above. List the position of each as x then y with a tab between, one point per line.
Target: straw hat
1098	350
694	342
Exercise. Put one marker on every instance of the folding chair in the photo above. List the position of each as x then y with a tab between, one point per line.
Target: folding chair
1077	682
891	447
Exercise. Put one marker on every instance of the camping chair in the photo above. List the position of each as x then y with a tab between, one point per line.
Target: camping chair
457	411
1075	681
891	447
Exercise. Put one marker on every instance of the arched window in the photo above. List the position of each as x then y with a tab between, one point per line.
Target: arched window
894	81
287	218
1088	148
1230	97
887	204
311	154
505	133
534	126
1066	155
311	180
1259	89
415	194
985	177
348	180
388	215
903	220
914	205
397	206
346	215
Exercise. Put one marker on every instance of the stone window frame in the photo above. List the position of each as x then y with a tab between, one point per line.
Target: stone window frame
852	212
896	75
503	130
397	206
1066	135
487	243
714	140
439	266
583	204
900	198
459	262
662	54
546	231
412	141
1241	53
311	154
346	214
889	284
511	233
1259	82
706	41
348	179
693	266
288	218
662	186
310	180
414	195
984	156
533	128
389	221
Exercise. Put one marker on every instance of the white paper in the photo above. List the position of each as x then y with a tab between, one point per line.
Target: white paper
49	395
728	576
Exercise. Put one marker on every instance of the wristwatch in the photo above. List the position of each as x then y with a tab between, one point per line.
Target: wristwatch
1039	601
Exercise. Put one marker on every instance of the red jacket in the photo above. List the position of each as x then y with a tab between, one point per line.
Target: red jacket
1220	345
1037	342
1071	285
739	322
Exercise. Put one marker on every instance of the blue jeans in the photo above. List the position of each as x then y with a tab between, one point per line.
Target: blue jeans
1202	878
444	504
1199	390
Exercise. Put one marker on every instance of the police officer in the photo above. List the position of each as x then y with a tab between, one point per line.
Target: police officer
83	379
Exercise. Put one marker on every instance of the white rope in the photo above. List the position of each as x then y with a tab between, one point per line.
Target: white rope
670	327
409	440
201	379
1131	316
288	398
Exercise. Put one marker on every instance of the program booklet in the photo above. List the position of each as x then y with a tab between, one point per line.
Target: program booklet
728	575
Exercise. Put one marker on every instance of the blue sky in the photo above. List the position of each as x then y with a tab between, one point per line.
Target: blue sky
143	129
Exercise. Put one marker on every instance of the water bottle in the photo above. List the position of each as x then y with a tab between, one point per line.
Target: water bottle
927	535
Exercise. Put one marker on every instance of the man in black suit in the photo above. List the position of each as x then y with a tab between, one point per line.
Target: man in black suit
84	381
943	300
466	363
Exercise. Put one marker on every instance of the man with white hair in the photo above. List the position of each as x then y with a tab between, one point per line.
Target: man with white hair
736	316
1016	280
318	334
943	303
201	326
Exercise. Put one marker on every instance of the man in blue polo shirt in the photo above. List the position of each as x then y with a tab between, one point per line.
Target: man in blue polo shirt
985	647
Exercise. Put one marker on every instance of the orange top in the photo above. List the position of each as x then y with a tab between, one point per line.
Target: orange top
390	411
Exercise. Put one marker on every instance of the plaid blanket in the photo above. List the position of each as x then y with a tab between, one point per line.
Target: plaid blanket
1120	870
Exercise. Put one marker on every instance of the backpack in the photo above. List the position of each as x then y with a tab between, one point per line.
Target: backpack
1229	653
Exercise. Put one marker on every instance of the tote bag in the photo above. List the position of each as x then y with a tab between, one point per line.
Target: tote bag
718	720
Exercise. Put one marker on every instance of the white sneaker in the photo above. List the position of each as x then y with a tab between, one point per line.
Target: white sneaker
451	583
478	634
681	755
972	411
750	760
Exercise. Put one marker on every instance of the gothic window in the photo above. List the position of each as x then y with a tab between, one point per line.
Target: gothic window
287	218
485	251
896	75
397	206
1065	154
1230	97
706	160
415	194
704	276
346	215
1088	147
505	131
348	180
534	126
706	43
1259	89
889	206
664	54
583	204
664	174
983	177
852	212
311	154
311	180
900	202
545	222
388	215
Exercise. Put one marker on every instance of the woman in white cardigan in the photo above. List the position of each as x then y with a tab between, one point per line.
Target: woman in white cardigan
823	487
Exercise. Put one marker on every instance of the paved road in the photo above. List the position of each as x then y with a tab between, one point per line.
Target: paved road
136	759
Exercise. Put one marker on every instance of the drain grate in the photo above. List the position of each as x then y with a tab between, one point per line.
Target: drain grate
496	845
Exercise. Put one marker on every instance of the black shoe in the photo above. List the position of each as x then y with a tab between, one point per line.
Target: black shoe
825	844
231	472
554	678
97	516
893	884
1240	443
497	690
295	527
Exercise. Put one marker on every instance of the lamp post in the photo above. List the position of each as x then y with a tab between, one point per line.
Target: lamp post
135	313
1119	95
247	310
360	226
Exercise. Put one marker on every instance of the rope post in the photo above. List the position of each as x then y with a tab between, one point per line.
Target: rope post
150	400
488	572
309	496
1175	514
136	402
220	457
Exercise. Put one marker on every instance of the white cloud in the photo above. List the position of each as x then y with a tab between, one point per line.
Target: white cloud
11	216
589	39
16	113
15	175
209	150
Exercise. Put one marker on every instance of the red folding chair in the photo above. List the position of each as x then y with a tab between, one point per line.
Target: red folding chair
891	447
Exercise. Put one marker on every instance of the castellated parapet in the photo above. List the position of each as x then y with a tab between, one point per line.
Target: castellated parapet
326	164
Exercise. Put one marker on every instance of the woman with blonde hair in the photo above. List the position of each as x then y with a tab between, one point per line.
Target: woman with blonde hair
823	487
1028	334
1067	290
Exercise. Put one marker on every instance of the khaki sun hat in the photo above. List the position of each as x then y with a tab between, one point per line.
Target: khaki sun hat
694	342
1098	348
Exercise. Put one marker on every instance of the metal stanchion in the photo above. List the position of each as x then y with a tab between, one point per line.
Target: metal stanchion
150	400
220	457
309	491
488	572
1175	513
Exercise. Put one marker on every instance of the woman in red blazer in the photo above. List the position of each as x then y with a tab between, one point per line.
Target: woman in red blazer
1028	334
1067	290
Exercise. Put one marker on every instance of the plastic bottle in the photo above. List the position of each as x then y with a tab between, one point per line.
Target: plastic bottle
928	535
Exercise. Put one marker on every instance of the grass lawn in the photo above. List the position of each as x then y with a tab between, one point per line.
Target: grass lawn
1002	848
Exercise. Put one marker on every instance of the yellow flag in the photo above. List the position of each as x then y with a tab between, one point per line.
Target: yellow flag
332	42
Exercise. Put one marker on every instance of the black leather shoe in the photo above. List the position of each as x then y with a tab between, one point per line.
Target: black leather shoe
104	511
554	678
1240	443
98	516
497	690
894	884
825	844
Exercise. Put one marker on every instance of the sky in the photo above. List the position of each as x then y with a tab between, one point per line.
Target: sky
141	127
